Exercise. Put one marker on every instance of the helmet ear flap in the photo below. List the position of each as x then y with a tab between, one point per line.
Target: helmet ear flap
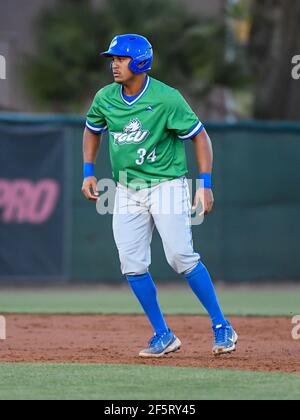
136	66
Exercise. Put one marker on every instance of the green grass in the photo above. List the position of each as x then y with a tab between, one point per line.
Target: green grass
235	301
112	382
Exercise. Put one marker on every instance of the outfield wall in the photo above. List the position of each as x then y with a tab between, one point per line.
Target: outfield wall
253	233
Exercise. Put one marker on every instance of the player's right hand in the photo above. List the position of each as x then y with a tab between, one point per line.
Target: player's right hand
89	188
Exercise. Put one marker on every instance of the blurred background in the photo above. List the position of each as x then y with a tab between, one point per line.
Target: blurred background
236	61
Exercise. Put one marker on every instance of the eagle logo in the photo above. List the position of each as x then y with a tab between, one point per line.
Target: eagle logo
133	126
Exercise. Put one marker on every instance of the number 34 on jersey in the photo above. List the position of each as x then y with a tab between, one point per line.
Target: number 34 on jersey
143	156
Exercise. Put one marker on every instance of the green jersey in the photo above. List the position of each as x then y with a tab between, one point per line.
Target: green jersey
146	132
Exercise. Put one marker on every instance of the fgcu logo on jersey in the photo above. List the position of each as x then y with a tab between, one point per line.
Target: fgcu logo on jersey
132	133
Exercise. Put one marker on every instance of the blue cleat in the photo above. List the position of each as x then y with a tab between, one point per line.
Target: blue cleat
225	339
162	344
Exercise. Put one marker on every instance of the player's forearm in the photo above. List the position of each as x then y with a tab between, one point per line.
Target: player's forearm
91	144
204	152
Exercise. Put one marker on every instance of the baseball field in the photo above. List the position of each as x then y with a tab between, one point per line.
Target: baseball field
82	343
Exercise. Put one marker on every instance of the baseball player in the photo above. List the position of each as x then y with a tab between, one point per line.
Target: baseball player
148	123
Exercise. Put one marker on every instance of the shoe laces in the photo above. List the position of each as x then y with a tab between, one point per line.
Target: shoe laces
220	334
155	339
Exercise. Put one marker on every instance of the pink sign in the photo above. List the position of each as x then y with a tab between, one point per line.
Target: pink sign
23	201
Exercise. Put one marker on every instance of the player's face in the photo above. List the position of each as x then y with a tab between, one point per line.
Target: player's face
120	69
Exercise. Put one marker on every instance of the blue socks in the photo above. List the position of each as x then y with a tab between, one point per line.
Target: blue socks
144	289
200	282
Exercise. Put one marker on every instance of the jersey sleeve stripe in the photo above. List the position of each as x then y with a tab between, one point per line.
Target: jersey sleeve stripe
95	129
194	131
94	125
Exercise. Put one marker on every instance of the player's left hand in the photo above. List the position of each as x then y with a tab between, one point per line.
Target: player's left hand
206	197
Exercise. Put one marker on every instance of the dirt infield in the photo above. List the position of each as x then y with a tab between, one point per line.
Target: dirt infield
265	344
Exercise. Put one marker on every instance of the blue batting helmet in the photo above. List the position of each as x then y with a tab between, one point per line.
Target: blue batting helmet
135	46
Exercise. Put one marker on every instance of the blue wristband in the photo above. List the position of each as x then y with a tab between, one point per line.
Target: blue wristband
206	178
88	170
